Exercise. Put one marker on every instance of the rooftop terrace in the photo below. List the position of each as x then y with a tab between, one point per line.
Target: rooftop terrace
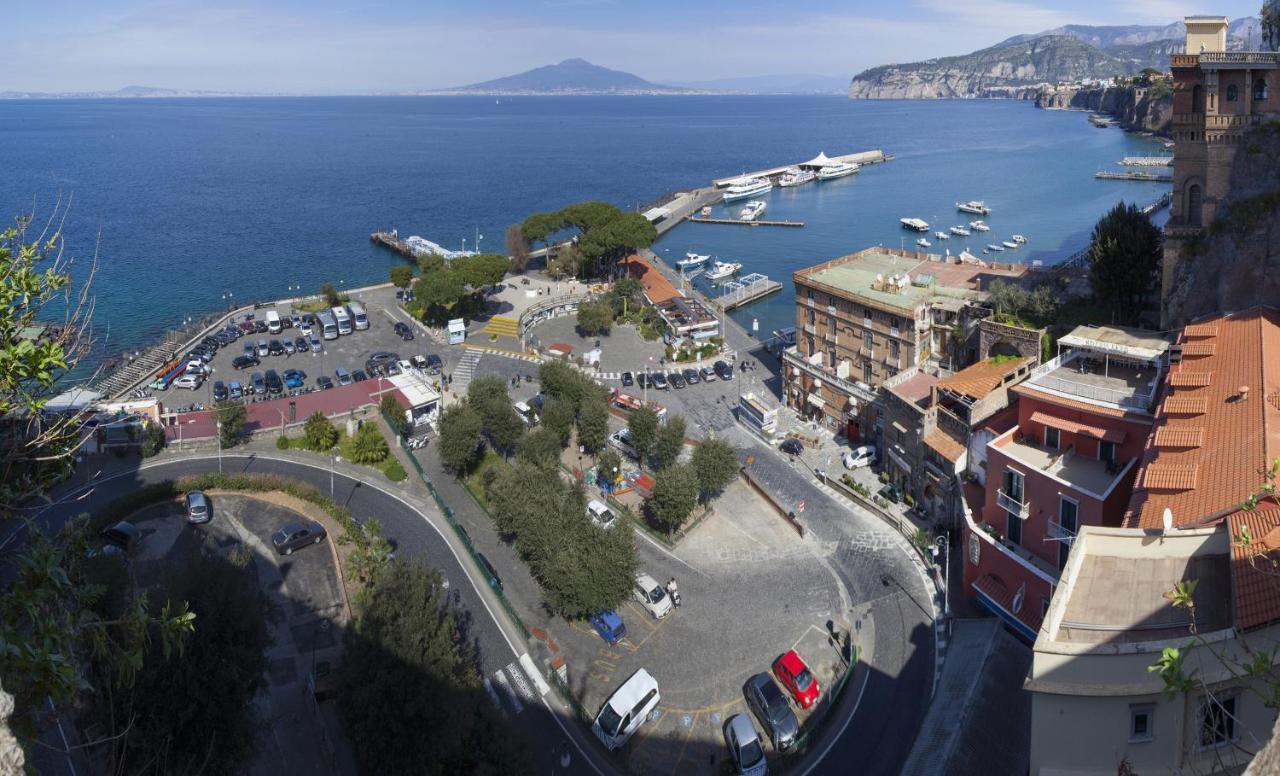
858	273
1099	379
1079	471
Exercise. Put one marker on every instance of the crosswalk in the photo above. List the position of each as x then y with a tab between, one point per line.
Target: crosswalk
509	689
466	369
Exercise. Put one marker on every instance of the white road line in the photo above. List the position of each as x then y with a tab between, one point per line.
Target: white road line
640	532
493	696
866	677
505	687
534	674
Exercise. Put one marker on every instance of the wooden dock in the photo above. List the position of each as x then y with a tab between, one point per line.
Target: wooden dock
390	240
1147	177
745	291
740	222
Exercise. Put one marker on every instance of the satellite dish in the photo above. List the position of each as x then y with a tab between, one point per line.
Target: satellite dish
1168	520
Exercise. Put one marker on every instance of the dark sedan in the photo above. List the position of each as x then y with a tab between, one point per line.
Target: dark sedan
791	447
627	379
723	370
297	535
772	709
324	383
300	344
244	362
691	376
677	379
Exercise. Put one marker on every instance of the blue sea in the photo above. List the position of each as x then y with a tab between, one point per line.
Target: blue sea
191	204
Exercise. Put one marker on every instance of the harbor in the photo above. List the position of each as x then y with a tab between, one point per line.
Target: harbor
1134	175
741	222
861	158
746	290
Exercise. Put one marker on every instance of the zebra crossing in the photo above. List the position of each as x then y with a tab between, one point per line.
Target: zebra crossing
509	689
466	369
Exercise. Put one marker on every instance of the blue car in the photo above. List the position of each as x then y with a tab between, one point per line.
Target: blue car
609	625
294	378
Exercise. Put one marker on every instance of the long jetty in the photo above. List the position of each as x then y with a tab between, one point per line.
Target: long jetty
1134	175
740	222
393	241
862	158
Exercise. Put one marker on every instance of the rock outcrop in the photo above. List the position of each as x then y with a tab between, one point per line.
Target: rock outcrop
1236	263
1138	108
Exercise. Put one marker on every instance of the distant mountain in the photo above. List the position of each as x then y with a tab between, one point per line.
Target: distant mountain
788	83
1244	33
131	92
572	76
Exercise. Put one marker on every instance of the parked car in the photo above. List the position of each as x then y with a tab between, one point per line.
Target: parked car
259	327
235	390
708	374
402	330
250	349
314	343
600	514
344	377
276	348
294	378
359	376
297	535
772	710
264	349
791	447
301	345
219	391
677	379
486	568
723	370
419	362
859	457
259	383
197	507
392	368
626	710
189	380
691	376
295	321
244	362
305	328
642	380
658	380
609	625
274	383
119	539
796	677
324	383
289	347
434	364
651	596
744	746
628	380
622	441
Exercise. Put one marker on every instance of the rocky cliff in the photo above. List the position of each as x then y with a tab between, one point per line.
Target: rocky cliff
1139	108
1236	263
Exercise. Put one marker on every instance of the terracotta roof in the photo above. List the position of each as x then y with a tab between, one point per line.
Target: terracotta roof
944	445
1197	348
917	389
656	287
1022	389
998	591
1239	433
1113	435
982	378
1255	567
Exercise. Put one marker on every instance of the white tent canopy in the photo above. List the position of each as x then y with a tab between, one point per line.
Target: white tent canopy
821	160
1121	340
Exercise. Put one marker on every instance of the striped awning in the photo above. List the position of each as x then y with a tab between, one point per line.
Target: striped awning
1113	435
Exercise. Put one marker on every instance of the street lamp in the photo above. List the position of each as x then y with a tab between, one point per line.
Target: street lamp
940	546
219	447
333	459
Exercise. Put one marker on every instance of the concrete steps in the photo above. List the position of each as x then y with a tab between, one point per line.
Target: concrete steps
503	327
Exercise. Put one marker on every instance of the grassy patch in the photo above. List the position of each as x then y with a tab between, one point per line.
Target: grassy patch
474	482
389	466
394	471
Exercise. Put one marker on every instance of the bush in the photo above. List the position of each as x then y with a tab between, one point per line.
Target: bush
675	494
154	440
393	411
394	471
232	415
459	443
282	443
330	295
595	318
368	445
319	434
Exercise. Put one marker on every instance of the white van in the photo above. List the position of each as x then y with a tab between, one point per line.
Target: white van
328	326
359	316
343	319
526	414
626	710
652	596
601	514
273	322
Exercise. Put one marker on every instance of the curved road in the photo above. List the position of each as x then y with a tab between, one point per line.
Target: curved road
867	736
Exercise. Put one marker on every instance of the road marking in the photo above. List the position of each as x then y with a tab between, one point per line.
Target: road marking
693	724
507	692
820	631
640	532
493	696
643	615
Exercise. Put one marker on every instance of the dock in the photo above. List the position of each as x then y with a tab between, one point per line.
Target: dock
392	240
861	158
740	222
745	290
1147	161
1147	177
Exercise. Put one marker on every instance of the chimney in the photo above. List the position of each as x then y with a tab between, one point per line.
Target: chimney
1206	34
1243	392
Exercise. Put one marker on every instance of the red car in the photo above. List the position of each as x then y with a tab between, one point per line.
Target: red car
796	677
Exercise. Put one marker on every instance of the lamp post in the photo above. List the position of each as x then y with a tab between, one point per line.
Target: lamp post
941	546
219	424
333	459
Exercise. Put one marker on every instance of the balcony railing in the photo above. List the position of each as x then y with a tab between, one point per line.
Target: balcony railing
1256	58
809	329
1012	505
1232	122
1185	60
864	395
1188	119
1130	398
867	350
1057	532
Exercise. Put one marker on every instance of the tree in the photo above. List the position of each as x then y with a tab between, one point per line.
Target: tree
232	415
608	464
369	445
481	270
540	447
675	494
643	428
401	276
517	248
393	411
716	465
195	712
558	416
1042	305
319	434
1124	255
626	296
460	428
153	440
562	381
330	295
1007	298
670	441
429	263
593	423
1270	18
438	290
410	687
594	318
488	396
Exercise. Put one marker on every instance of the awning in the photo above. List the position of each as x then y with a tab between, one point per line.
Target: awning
1112	435
998	599
1122	341
816	400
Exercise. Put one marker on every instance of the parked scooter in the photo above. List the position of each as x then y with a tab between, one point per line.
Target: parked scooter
674	592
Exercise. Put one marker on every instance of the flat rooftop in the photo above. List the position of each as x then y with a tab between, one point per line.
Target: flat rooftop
916	389
1120	340
857	274
1098	379
1082	471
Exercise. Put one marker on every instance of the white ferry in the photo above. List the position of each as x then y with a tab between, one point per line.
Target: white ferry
975	206
837	170
941	236
979	226
795	177
754	209
923	243
723	269
960	230
746	187
692	260
914	224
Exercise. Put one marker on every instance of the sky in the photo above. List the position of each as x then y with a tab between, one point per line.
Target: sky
370	46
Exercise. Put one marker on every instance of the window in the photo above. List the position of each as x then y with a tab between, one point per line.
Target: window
1107	451
1052	438
812	316
809	291
867	340
1013	485
1197	99
1069	523
1141	717
1217	720
831	354
831	323
1260	90
1013	527
893	350
866	371
1233	93
866	314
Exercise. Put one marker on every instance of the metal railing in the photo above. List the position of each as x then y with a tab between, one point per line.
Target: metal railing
1057	532
1128	397
1012	505
845	385
1237	58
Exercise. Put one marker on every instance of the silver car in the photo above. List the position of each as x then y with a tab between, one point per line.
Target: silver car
772	709
744	746
197	507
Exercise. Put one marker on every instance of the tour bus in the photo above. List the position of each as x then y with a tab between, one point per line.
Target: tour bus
358	316
273	322
626	709
328	326
343	320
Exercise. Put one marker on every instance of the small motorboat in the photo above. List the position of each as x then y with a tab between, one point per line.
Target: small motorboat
1019	239
995	248
692	260
942	235
1010	244
923	243
723	269
754	209
960	231
979	226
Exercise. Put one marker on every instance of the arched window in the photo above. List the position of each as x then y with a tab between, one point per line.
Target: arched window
1233	92
1194	203
1260	90
1197	99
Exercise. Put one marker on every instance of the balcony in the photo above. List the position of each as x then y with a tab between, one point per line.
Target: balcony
1185	60
829	376
1233	122
867	350
1188	119
894	332
1093	378
1056	532
809	329
1012	505
1264	60
1084	474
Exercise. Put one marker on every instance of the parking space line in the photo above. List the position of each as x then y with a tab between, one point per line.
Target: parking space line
692	727
643	615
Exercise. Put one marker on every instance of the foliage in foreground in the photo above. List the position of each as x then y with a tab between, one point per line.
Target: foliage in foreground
1124	255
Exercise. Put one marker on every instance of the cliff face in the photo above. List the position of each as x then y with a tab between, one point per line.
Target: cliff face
1136	107
1236	264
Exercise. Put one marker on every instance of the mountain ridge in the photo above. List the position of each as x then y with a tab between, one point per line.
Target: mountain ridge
569	76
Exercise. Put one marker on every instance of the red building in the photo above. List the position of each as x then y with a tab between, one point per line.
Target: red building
1070	460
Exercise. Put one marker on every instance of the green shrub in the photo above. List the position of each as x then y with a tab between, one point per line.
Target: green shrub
154	440
394	471
282	443
319	434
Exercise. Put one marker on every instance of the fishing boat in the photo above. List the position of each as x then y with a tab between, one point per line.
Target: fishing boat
723	269
960	230
923	243
1019	239
743	188
942	235
915	224
995	247
979	226
692	260
753	210
795	177
1010	244
974	206
837	170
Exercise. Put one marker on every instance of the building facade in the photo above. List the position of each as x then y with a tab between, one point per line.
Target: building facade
1218	96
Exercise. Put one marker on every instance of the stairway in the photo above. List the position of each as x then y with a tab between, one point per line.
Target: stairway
503	327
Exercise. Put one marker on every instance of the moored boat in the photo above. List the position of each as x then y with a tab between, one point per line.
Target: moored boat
995	247
1019	239
1010	244
746	187
979	226
942	235
692	260
837	170
960	230
754	209
795	177
914	224
923	243
723	269
978	207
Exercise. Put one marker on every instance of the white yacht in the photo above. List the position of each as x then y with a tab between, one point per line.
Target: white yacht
1010	244
1019	239
979	226
923	243
995	248
754	209
746	187
692	260
795	177
942	235
915	224
974	206
723	269
837	170
960	231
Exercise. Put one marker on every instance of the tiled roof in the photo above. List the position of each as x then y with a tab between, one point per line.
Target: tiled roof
944	445
995	589
656	287
982	378
1113	435
1255	567
1239	431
